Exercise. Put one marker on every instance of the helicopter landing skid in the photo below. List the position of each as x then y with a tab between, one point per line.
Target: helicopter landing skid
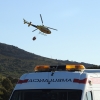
42	33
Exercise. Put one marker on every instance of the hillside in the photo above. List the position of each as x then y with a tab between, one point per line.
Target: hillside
15	61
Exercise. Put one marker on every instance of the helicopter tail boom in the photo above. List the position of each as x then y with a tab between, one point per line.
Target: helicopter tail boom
34	25
30	24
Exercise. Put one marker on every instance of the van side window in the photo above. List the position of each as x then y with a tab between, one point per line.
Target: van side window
97	94
88	96
85	97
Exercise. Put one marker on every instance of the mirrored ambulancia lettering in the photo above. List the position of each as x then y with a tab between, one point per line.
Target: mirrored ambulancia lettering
49	80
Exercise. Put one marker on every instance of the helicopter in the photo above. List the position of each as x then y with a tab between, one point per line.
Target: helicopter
43	29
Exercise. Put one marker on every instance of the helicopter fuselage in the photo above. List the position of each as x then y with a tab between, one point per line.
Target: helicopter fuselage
43	29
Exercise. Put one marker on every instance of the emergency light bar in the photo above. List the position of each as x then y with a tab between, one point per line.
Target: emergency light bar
40	68
75	67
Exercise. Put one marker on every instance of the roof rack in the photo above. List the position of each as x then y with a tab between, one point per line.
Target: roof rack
48	68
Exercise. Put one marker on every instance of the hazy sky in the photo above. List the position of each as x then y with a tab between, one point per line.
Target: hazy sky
77	21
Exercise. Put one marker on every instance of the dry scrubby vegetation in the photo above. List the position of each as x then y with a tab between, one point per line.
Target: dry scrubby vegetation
14	62
6	86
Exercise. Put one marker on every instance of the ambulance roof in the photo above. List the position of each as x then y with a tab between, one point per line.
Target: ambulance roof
57	80
92	70
52	77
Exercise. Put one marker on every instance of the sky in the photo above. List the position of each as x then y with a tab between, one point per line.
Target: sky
77	22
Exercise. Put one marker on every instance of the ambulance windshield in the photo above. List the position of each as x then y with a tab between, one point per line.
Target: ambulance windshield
47	94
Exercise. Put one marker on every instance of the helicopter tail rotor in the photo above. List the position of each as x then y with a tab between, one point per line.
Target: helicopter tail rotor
24	21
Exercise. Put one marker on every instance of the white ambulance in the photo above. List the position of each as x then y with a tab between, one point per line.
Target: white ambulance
63	82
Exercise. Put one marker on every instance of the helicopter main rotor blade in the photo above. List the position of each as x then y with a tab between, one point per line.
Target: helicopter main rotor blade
34	30
41	19
52	28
